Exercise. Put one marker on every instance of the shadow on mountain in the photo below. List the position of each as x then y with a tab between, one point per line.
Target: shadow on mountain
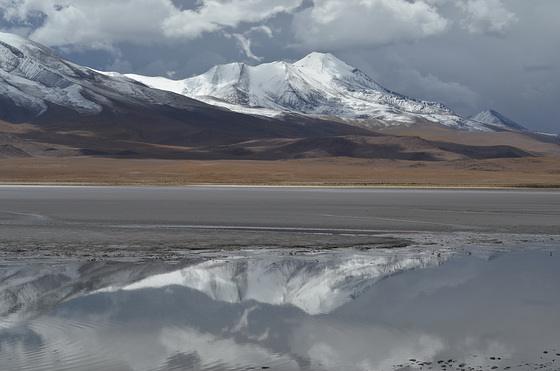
8	150
10	112
483	152
177	140
356	147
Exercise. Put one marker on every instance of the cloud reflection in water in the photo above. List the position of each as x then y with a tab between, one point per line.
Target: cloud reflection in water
249	313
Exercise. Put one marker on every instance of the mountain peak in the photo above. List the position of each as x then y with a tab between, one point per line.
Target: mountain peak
318	59
13	40
325	64
489	116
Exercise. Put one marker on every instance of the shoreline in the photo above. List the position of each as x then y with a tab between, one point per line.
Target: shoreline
275	185
383	242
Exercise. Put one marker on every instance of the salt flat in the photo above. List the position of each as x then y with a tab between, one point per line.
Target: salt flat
169	222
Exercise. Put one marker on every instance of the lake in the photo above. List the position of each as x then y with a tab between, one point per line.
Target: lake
212	278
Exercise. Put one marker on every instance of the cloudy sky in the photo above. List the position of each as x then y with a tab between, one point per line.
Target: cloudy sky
468	54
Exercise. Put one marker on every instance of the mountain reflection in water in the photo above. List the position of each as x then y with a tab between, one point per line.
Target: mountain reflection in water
377	310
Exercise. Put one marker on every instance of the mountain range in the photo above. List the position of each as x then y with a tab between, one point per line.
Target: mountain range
319	84
318	106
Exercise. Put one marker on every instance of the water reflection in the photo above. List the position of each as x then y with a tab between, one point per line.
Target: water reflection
315	286
377	311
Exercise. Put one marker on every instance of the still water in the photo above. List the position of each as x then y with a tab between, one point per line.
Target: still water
379	310
244	278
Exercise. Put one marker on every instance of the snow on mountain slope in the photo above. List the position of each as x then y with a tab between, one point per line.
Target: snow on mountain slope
319	84
493	117
32	77
179	86
314	286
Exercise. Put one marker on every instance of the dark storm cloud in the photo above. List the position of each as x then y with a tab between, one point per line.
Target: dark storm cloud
467	54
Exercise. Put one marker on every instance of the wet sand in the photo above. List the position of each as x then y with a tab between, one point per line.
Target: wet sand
92	221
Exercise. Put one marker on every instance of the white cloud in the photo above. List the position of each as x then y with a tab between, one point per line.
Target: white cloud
100	24
214	15
244	42
86	24
486	16
262	28
346	24
320	25
245	45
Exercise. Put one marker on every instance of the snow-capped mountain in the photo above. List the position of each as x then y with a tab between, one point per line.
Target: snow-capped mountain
32	78
73	105
318	107
319	84
492	117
